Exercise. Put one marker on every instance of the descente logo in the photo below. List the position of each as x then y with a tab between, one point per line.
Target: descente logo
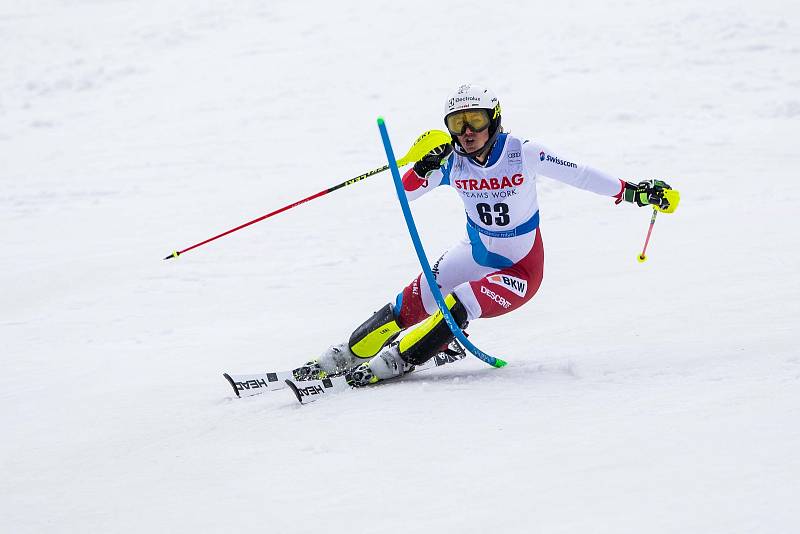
495	297
548	157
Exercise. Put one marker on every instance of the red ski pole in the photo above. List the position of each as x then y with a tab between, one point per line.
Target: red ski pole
281	210
642	257
424	144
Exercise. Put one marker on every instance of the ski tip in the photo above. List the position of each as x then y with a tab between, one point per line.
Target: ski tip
294	389
500	363
381	121
232	383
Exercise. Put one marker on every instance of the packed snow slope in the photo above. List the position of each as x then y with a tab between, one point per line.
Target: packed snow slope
655	397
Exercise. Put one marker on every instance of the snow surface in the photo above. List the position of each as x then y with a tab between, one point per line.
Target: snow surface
656	397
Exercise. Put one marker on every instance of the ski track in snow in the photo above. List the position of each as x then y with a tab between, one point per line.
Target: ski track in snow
661	397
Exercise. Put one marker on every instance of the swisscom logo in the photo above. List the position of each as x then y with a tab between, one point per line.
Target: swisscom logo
548	157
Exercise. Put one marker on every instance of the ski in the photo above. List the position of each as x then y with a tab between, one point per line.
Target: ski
307	391
248	385
310	390
256	384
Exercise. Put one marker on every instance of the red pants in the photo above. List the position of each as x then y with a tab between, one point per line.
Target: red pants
484	291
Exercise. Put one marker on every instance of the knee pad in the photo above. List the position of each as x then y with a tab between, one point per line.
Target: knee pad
428	337
376	332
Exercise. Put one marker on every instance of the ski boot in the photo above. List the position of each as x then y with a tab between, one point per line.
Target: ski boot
420	344
336	360
364	343
385	365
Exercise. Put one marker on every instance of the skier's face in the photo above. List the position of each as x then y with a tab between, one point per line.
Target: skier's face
472	141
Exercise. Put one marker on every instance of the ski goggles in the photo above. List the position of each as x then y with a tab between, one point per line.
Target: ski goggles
477	120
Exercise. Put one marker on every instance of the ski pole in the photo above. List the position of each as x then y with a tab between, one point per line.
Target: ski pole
642	257
424	144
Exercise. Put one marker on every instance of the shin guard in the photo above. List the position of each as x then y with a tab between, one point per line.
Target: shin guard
376	332
428	337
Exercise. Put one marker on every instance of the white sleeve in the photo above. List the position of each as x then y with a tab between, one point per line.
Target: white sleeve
544	161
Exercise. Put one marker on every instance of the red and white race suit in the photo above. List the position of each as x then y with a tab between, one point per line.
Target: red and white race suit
497	267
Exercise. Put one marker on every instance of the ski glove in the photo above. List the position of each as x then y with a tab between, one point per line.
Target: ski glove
646	193
433	160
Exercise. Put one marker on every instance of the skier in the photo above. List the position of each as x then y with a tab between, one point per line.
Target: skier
497	267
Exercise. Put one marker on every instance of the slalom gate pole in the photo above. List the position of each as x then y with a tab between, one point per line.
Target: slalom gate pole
424	144
423	259
642	257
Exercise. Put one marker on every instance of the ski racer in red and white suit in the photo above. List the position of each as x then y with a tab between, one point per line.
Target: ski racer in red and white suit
498	265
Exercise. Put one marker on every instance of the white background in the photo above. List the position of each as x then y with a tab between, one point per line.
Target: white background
656	397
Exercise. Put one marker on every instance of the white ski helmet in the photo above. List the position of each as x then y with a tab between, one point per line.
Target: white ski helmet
469	97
